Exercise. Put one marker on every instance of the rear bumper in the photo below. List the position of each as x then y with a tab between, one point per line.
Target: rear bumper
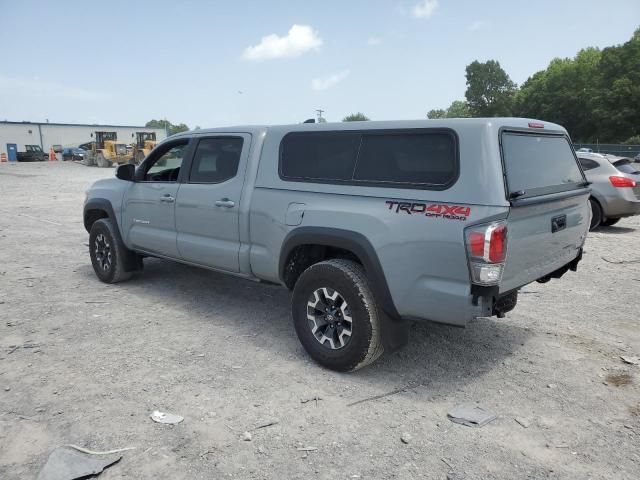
624	205
458	303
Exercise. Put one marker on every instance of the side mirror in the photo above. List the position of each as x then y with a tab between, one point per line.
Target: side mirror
126	172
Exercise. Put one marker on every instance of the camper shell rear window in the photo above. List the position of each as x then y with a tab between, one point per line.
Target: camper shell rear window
538	164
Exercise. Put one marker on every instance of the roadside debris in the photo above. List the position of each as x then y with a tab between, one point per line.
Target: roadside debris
630	360
406	438
306	449
166	418
523	422
377	397
444	460
311	399
267	423
621	262
471	415
71	462
247	437
617	379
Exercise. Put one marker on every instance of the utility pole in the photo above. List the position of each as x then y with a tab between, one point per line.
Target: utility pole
319	112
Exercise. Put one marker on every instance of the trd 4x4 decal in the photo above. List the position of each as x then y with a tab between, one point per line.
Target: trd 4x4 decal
438	210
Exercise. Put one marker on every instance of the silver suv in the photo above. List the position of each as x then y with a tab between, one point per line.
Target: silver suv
615	192
369	223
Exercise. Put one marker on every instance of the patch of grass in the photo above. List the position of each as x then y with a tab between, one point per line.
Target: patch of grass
618	379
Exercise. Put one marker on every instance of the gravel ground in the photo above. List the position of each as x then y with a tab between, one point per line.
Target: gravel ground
86	363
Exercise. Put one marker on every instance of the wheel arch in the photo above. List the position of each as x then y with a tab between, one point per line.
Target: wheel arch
338	241
97	208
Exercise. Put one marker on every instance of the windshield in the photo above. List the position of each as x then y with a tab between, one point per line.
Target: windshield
539	164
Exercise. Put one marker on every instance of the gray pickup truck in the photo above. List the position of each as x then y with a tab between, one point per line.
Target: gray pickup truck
369	223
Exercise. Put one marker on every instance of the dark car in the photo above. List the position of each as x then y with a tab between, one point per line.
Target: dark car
73	153
32	153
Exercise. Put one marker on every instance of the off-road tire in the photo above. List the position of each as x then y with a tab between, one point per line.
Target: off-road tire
596	214
103	231
609	222
101	161
348	278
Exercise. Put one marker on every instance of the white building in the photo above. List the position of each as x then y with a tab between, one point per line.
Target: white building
15	135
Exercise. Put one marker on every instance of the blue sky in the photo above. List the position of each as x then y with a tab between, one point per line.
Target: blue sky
208	63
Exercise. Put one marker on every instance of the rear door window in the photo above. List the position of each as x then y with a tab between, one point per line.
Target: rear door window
216	160
539	164
587	164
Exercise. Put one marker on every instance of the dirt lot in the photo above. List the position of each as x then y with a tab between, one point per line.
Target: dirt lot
86	363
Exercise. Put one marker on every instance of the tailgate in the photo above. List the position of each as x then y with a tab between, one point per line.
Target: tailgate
543	237
549	216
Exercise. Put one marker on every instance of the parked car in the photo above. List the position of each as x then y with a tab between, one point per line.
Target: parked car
73	153
585	150
32	153
615	192
369	223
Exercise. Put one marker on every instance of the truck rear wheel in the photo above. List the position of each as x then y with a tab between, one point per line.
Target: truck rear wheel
101	161
336	317
107	253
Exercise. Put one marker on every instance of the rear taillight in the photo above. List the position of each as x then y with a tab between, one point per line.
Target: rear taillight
621	182
486	251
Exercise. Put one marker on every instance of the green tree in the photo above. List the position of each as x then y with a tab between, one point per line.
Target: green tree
564	93
458	109
439	113
356	117
168	126
617	91
490	91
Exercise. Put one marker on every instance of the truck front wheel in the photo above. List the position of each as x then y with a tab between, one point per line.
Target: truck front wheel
335	315
107	253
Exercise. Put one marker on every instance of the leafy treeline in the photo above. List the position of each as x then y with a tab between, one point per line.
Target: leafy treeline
356	117
168	126
595	95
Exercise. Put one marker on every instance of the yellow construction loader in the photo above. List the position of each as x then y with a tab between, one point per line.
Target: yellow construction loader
145	142
107	151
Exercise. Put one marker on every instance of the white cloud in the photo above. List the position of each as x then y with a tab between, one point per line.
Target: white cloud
425	9
374	41
299	39
323	83
477	25
43	88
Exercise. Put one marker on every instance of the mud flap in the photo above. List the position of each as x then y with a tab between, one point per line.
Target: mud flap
394	333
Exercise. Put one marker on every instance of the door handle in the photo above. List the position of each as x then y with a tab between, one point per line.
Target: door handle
225	202
167	198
